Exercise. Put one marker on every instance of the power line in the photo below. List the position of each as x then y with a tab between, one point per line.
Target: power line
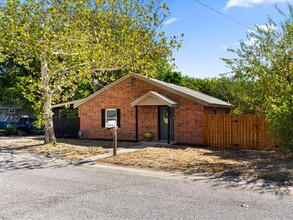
230	18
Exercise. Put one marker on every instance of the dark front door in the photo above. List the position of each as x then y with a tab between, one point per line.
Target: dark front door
166	123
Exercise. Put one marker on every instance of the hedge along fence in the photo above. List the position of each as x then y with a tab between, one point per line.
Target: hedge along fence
238	132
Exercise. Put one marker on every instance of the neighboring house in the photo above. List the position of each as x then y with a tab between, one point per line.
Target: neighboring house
139	105
11	113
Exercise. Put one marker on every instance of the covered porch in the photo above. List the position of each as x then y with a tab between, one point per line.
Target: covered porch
161	121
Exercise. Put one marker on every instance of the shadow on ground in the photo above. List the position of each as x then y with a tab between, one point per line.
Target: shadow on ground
261	171
94	143
14	160
255	184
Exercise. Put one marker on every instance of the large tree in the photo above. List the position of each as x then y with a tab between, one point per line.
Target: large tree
73	40
9	91
267	60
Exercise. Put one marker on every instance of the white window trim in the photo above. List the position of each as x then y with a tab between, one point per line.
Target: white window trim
112	118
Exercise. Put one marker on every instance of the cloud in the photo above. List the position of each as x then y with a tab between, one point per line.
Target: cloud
252	3
170	21
264	27
251	41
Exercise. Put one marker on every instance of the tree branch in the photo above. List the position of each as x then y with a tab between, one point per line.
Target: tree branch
70	68
58	87
66	54
108	69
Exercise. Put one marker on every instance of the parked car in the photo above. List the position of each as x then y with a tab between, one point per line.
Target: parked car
23	125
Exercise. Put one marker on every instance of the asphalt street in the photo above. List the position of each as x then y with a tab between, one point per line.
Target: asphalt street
34	187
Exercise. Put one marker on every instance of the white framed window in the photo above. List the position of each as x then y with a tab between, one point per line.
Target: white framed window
110	115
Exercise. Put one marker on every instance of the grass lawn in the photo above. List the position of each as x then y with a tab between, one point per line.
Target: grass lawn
65	148
242	164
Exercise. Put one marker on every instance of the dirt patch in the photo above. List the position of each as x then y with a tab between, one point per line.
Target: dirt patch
66	148
242	164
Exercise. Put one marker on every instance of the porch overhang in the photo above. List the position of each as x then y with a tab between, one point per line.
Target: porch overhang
67	105
153	98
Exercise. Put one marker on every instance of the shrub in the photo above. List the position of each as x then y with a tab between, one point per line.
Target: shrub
282	128
9	130
148	136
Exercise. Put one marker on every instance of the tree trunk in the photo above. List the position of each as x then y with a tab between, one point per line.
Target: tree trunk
48	120
47	108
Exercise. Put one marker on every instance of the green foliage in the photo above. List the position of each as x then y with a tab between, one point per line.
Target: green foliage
10	92
171	77
282	126
66	113
73	42
230	89
267	62
9	130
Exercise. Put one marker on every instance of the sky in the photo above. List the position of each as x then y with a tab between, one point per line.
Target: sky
207	34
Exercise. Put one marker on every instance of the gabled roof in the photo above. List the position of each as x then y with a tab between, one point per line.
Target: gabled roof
153	98
70	104
6	107
198	97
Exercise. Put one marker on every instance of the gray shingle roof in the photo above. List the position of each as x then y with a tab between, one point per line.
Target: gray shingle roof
195	95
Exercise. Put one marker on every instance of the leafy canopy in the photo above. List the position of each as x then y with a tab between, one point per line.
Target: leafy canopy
71	41
267	60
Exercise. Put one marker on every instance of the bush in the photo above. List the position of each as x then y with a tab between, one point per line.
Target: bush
9	130
282	128
148	136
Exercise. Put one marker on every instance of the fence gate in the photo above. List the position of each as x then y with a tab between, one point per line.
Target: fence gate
66	127
237	132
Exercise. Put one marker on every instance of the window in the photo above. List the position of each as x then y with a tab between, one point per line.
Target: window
23	120
110	115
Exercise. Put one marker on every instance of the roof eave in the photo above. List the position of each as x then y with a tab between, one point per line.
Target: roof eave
169	103
71	104
220	106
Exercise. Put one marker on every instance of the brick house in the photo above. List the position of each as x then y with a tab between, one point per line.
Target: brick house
139	105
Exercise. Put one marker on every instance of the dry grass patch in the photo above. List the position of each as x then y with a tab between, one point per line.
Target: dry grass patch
266	165
67	151
65	148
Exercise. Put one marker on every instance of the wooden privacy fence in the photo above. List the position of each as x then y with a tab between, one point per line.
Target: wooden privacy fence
66	127
238	132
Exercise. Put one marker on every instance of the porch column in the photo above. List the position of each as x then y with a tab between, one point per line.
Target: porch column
136	123
169	124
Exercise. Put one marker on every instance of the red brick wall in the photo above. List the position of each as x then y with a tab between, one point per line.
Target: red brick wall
147	121
188	115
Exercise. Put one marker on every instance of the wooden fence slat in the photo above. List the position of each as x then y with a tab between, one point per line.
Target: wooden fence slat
237	132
